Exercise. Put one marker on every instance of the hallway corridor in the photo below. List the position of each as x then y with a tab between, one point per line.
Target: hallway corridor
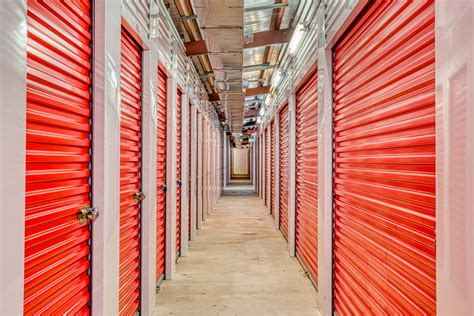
239	265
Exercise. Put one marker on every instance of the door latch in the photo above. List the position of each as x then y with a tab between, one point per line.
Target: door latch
87	213
138	197
179	183
164	188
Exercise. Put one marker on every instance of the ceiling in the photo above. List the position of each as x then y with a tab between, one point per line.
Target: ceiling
236	46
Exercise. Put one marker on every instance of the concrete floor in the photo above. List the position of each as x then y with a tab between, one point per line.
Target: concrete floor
238	265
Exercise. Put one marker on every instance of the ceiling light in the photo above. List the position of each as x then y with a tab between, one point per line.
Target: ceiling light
259	120
297	37
262	111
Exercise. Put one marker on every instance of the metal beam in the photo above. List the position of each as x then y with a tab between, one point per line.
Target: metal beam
188	17
258	67
266	7
207	75
256	91
270	38
196	48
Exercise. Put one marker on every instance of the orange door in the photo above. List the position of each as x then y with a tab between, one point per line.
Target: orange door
384	174
130	175
272	168
161	176
178	174
284	153
306	210
58	127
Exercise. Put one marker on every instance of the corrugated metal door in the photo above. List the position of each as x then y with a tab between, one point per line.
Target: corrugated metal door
57	245
178	173
284	153
272	169
161	176
384	176
267	174
306	210
130	175
190	176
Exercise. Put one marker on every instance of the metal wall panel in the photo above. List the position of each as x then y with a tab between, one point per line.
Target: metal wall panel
306	199
140	11
178	173
272	168
161	176
130	175
284	159
384	149
57	245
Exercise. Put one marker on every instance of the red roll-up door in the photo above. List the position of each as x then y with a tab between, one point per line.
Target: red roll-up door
161	176
307	176
267	174
57	245
384	176
272	169
178	173
189	170
284	154
130	175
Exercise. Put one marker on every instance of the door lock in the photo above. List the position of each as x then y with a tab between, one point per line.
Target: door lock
87	213
179	183
138	197
164	188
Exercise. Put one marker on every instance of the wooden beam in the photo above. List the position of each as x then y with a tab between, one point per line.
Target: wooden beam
256	91
270	37
195	48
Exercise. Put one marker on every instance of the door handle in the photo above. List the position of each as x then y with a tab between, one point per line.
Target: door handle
138	197
87	213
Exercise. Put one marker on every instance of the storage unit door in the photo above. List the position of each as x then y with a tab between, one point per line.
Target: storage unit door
272	169
306	210
161	176
130	175
178	174
284	156
384	176
190	176
57	245
267	172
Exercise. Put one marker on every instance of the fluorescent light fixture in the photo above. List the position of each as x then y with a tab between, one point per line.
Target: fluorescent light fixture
262	111
297	37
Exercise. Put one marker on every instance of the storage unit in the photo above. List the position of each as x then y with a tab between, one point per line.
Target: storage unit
58	127
190	140
161	175
178	173
284	171
267	172
130	174
272	168
384	149
306	197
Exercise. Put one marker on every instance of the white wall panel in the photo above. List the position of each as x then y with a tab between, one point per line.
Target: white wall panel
454	32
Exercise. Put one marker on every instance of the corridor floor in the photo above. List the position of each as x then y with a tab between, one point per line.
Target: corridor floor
238	265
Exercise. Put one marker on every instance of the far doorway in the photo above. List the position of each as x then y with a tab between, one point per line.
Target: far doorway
240	162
